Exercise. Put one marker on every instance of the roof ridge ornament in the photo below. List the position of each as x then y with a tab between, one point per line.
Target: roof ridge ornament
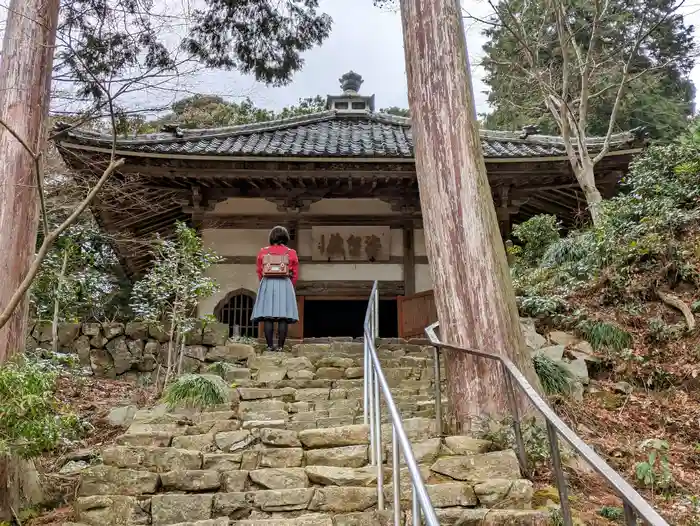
529	129
350	82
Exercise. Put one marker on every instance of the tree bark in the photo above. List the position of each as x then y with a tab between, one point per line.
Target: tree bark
25	79
586	179
473	290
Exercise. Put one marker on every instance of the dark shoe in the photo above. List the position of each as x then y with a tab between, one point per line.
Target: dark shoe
271	349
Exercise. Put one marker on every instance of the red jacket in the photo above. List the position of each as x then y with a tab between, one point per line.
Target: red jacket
280	249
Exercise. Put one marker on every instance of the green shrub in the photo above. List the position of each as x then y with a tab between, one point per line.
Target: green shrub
640	230
31	418
555	378
612	512
659	331
537	306
655	471
536	235
196	391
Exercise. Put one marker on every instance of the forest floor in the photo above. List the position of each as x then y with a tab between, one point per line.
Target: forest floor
91	399
664	371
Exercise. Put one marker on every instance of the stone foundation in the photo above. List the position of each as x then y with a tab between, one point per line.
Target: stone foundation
114	350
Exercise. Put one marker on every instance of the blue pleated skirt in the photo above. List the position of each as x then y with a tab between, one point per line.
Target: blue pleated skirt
276	300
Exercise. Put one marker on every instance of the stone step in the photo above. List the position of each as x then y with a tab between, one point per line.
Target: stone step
305	460
332	505
446	516
274	474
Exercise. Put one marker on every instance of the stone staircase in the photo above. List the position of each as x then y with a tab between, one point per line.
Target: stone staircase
291	449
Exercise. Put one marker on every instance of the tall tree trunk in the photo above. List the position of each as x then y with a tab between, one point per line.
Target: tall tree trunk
473	291
586	179
25	81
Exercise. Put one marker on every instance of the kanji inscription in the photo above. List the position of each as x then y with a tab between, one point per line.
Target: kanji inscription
348	243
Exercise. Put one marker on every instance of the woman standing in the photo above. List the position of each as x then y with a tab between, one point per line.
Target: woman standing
278	270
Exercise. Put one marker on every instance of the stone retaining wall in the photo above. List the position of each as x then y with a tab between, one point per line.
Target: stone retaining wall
127	349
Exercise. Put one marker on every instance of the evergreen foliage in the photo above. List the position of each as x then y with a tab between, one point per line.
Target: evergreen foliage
101	40
643	230
31	418
659	96
168	294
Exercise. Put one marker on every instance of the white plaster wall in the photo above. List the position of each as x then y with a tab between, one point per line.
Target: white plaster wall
419	242
235	242
230	278
350	272
304	242
424	280
246	206
349	207
396	242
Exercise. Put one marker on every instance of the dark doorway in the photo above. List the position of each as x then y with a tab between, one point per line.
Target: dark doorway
335	318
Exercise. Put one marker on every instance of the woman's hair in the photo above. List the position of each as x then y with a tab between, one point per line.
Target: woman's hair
279	236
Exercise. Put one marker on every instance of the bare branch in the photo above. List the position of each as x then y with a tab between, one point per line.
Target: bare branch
49	241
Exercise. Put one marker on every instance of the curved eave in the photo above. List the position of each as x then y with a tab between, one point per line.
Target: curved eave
347	159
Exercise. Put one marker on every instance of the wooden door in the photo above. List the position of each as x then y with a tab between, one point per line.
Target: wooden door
416	312
296	331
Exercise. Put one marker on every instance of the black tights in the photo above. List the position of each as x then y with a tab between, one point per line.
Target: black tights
269	329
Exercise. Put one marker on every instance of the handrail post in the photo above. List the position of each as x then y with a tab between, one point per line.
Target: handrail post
396	475
438	393
370	402
416	507
378	453
365	374
517	429
375	309
559	474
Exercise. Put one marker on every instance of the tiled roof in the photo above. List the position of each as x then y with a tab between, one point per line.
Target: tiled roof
328	134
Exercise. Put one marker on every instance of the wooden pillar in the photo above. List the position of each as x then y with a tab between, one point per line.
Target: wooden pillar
296	331
294	226
409	259
503	211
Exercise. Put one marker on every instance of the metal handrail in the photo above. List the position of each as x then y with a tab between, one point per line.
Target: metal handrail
374	384
634	504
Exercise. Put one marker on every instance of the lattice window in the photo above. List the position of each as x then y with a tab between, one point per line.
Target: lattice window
235	311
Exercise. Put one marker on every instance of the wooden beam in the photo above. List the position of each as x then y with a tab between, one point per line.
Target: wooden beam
349	288
306	259
305	221
409	259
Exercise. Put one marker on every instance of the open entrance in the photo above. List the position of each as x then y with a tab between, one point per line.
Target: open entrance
324	318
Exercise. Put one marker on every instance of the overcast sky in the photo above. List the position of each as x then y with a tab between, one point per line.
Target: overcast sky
364	39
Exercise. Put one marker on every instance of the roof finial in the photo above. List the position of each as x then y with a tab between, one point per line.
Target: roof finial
350	82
